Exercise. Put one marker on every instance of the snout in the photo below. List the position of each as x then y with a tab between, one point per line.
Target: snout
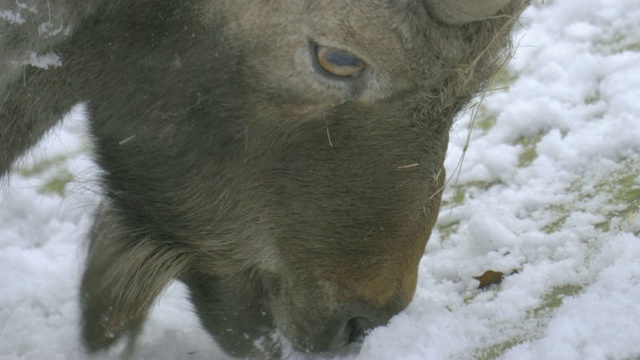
329	317
325	335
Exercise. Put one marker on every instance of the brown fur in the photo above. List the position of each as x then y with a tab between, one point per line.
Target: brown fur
284	198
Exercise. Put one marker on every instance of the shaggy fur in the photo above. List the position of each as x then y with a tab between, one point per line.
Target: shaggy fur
284	197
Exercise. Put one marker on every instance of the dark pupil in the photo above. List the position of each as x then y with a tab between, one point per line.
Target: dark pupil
342	60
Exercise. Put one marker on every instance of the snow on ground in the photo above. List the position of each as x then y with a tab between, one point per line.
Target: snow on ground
549	192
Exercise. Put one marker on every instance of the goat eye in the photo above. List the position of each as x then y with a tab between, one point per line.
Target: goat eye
338	62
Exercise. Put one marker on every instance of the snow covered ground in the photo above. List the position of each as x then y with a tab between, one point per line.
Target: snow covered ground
549	192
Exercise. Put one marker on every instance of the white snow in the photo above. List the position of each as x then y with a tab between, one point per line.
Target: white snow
12	17
44	61
549	187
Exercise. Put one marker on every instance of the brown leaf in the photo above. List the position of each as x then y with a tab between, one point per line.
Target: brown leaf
489	278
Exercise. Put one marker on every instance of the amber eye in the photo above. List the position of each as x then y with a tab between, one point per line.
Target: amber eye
338	62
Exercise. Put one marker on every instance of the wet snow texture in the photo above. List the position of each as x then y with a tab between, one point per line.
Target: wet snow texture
550	188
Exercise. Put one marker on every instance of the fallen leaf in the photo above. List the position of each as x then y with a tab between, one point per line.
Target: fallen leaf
489	278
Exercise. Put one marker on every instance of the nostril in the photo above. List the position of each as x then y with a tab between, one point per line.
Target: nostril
356	328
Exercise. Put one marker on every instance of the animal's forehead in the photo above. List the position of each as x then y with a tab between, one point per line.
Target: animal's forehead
398	39
369	25
371	28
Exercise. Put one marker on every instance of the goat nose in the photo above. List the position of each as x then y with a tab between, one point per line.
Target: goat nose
335	335
356	328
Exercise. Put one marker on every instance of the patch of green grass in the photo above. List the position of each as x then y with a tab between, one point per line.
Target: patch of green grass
624	190
503	79
459	195
447	230
603	226
486	122
617	39
562	212
53	172
551	301
616	44
40	167
621	190
554	299
529	153
460	190
493	290
628	193
497	350
57	184
469	298
593	99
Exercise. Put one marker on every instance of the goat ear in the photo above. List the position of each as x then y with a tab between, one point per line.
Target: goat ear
124	275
